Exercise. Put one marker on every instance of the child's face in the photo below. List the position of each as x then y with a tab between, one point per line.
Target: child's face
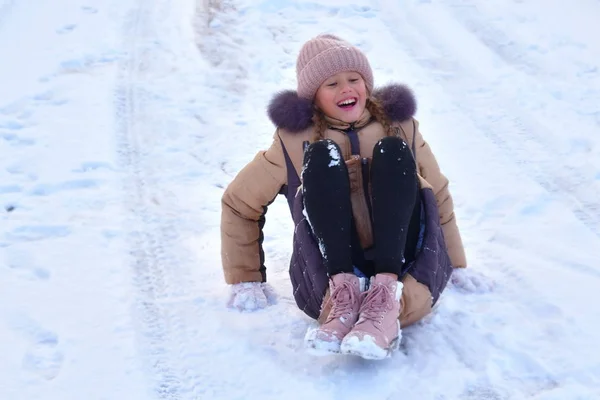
343	96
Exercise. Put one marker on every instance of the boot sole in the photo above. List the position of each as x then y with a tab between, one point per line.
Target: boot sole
368	350
321	352
365	349
321	349
318	347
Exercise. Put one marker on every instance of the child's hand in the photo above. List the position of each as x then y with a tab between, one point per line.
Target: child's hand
250	296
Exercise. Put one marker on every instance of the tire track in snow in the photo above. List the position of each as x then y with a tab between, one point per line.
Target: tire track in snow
542	66
505	126
513	132
510	51
508	127
158	262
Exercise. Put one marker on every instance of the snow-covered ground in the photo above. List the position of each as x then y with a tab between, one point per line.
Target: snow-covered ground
121	122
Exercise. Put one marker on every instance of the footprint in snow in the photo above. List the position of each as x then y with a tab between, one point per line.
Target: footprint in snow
20	168
11	125
93	166
43	356
66	29
23	263
16	140
85	63
89	10
5	189
15	107
364	11
31	233
9	132
45	189
48	98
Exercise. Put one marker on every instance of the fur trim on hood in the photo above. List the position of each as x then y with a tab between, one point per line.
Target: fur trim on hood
294	114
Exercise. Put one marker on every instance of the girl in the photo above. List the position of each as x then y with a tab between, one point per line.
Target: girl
375	235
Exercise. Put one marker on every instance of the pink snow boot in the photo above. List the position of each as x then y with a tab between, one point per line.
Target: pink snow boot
346	293
377	333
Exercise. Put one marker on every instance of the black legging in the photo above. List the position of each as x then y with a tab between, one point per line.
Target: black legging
394	191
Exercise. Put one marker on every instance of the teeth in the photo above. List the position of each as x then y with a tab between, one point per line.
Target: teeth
347	102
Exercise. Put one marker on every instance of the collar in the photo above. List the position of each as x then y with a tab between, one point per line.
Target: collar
338	125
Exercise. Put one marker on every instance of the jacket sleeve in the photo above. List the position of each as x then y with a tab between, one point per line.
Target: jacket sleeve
244	205
430	171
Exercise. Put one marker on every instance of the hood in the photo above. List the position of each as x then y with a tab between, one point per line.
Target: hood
294	114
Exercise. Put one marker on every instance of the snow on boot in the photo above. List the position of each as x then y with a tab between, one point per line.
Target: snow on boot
377	332
346	293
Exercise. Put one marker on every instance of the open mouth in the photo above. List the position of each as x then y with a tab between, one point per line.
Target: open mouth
348	103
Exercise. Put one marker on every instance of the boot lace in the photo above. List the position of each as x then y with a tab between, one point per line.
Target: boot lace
343	297
376	303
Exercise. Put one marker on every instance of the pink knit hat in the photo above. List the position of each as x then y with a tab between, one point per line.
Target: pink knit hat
327	55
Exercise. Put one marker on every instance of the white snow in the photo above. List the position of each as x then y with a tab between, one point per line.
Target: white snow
334	156
319	343
122	121
365	347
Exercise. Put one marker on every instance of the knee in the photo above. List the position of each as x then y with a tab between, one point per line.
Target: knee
322	145
392	148
391	145
325	149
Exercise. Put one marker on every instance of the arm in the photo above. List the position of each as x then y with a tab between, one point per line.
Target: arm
244	205
430	171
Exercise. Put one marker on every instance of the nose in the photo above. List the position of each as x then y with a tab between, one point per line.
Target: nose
345	87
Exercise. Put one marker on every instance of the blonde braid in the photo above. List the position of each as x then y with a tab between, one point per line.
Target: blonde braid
320	125
378	112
